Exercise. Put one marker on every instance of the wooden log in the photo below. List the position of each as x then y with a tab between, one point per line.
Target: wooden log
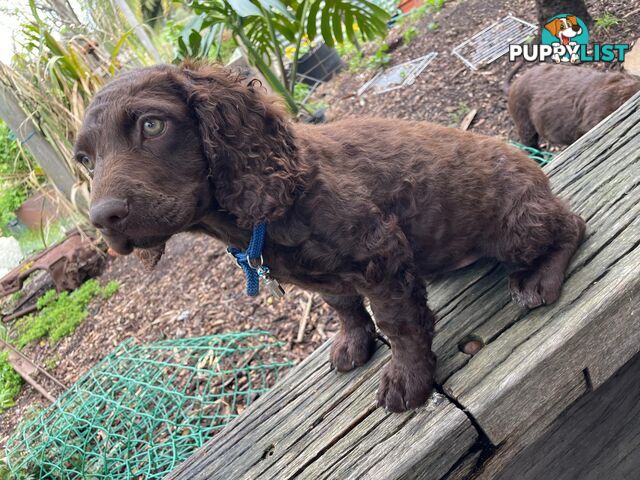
597	437
327	415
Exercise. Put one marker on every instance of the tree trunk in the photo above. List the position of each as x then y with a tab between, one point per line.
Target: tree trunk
550	8
65	11
29	135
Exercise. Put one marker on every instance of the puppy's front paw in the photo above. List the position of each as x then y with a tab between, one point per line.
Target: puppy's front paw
532	288
352	348
404	386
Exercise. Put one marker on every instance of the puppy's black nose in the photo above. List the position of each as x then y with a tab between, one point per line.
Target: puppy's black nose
575	28
109	213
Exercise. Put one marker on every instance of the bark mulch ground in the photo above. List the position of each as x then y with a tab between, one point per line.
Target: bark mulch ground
197	290
446	89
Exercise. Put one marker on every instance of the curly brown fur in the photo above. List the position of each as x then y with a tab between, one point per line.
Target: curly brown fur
563	102
357	208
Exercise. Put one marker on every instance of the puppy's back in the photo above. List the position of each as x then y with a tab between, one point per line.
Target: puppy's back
563	102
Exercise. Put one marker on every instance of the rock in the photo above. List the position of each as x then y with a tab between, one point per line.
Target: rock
10	255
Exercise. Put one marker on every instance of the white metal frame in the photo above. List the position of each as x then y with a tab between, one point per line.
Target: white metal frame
414	67
497	51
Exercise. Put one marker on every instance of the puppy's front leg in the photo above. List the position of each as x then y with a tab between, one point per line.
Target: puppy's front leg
407	380
354	344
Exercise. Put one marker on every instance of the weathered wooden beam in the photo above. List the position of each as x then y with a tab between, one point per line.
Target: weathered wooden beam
597	437
315	413
29	135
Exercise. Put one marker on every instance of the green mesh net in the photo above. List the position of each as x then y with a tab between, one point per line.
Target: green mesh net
538	155
145	408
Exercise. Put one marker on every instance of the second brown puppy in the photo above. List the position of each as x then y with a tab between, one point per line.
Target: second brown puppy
562	102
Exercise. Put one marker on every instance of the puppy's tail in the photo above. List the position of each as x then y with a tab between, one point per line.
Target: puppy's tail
512	73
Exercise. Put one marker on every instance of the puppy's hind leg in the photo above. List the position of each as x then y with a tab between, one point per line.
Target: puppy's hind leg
519	111
528	134
354	344
540	269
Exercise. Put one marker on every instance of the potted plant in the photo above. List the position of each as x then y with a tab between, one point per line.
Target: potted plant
262	27
319	64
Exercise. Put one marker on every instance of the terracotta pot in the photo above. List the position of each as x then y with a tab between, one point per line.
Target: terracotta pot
37	209
409	5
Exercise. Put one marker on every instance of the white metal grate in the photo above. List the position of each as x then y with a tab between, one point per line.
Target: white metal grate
399	76
493	42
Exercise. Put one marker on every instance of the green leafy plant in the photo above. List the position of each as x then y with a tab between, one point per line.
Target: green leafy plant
59	314
15	169
32	241
457	115
429	7
607	20
380	58
262	27
409	34
10	383
357	61
301	94
436	5
352	56
51	363
11	197
197	38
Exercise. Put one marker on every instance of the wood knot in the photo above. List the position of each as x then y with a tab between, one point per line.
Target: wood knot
471	344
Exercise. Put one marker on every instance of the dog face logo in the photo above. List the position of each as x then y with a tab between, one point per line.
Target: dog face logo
564	28
565	38
568	31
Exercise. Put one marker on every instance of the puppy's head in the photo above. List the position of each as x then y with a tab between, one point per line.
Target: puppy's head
564	28
166	144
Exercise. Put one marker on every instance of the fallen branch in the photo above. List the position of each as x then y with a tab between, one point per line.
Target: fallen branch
305	317
458	72
34	364
20	313
466	121
632	12
321	331
25	368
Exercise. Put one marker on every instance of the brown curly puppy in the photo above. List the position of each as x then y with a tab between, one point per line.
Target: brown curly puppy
563	102
357	208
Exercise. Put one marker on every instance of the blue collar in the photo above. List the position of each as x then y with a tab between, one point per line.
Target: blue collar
250	261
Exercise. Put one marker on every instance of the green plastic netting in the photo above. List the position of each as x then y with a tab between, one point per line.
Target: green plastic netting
539	156
145	408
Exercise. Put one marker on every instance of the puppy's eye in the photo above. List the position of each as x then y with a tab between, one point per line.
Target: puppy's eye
153	127
86	162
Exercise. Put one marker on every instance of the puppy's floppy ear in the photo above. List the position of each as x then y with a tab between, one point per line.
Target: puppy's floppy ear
572	20
554	26
248	142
